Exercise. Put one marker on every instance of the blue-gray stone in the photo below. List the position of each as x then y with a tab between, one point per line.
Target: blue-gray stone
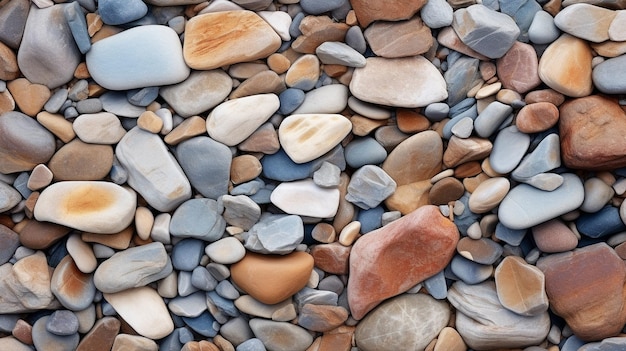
364	151
467	217
89	106
208	175
248	188
338	53
253	344
185	288
356	40
437	111
115	12
470	272
315	297
13	15
236	330
472	113
608	344
186	254
327	176
542	30
240	211
294	27
461	107
510	236
437	14
508	149
262	197
198	218
172	341
460	78
202	279
118	173
339	14
224	305
279	166
117	103
545	157
56	101
605	222
369	186
218	271
316	7
62	323
370	219
70	112
78	26
275	234
9	242
610	76
188	306
9	196
204	324
226	290
436	286
142	97
522	12
290	99
491	118
45	340
332	283
572	344
7	322
79	91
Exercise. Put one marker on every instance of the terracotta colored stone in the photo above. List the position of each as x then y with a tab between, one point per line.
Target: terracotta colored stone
270	278
537	117
81	161
41	235
218	39
317	30
278	63
368	11
448	38
554	236
321	318
399	39
390	260
118	241
244	168
264	139
586	288
187	129
339	339
544	95
331	258
467	169
29	97
102	336
415	159
73	288
565	66
410	121
23	332
362	126
460	150
409	197
517	69
8	63
446	190
521	287
57	124
591	131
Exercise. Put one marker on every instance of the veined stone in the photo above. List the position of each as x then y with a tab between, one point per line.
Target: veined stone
96	207
305	137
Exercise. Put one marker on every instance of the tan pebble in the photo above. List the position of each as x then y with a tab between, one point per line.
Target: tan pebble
441	175
537	117
95	90
316	30
571	77
40	177
104	32
552	7
246	70
399	38
81	253
244	168
410	121
314	280
508	96
488	194
349	233
29	97
545	95
488	90
263	140
431	345
9	69
362	126
81	71
7	103
486	167
409	197
29	204
464	150
94	23
77	160
118	241
261	83
303	73
187	129
472	92
346	78
278	63
324	233
448	38
487	70
446	190
124	342
351	18
58	125
468	169
223	343
471	183
606	177
609	49
335	71
149	121
521	287
144	219
285	313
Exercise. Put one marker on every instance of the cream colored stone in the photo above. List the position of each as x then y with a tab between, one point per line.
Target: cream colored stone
305	137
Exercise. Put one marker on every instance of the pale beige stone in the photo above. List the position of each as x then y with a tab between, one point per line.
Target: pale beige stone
99	128
305	137
57	124
565	66
149	121
489	194
40	177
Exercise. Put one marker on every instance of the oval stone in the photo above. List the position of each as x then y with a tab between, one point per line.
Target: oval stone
95	207
152	56
489	194
24	143
305	198
77	160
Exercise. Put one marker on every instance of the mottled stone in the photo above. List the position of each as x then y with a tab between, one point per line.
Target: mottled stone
399	39
521	287
370	11
565	66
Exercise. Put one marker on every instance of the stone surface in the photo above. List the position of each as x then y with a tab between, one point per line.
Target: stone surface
29	97
218	39
384	254
369	11
521	287
399	39
198	218
201	91
408	321
369	186
537	117
77	160
608	76
26	285
275	234
281	336
571	77
321	318
585	21
74	289
428	86
305	137
43	339
554	236
208	176
98	128
517	69
305	198
21	153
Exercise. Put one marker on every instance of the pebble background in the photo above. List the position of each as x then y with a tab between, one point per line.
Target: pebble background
319	175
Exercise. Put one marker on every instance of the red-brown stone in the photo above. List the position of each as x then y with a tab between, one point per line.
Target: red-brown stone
391	260
517	69
368	11
537	117
101	336
331	258
41	235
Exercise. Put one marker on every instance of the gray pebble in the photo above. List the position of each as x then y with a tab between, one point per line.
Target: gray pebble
62	323
226	306
316	7
13	15
364	151
337	53
21	185
436	286
369	186
470	272
198	218
89	106
185	287
9	197
508	149
202	279
186	254
315	297
115	12
117	103
218	271
471	113
290	100
70	112
236	330
610	76
463	128
188	306
542	29
356	40
79	91
56	101
7	322
545	181
436	14
253	344
294	27
461	77
491	118
226	290
248	188
45	340
142	97
208	175
545	157
436	111
275	234
327	176
177	24
240	211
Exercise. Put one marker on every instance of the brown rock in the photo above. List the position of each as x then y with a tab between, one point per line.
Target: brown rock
368	11
102	336
7	103
331	258
472	183
448	38
278	63
592	133
467	169
264	139
409	197
334	71
339	339
149	121
260	83
610	48
446	190
483	250
324	233
399	39
244	168
28	96
586	287
390	136
317	30
23	332
41	235
415	159
565	66
270	278
521	287
460	150
81	161
554	236
8	63
303	73
58	125
410	121
40	177
345	212
118	241
321	318
201	345
362	126
517	69
390	260
218	39
544	95
487	70
187	129
537	117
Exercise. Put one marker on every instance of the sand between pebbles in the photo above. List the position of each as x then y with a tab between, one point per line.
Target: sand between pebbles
312	175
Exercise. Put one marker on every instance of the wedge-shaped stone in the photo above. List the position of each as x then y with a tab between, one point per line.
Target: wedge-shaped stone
521	287
91	206
305	137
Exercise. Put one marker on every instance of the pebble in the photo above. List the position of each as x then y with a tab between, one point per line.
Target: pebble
331	98
74	289
114	12
338	53
369	11
26	285
207	224
29	97
116	72
517	69
327	176
280	336
604	222
21	153
554	236
484	323
225	251
491	118
470	272
545	157
446	190
608	76
570	77
521	287
81	253
133	342
116	102
272	279
542	30
305	198
208	177
62	323
575	20
369	186
303	73
218	39
508	149
331	258
9	197
10	243
437	14
460	150
188	306
43	339
97	207
537	117
423	318
607	344
398	73
597	194
364	151
200	92
399	39
482	250
279	21
98	128
77	160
